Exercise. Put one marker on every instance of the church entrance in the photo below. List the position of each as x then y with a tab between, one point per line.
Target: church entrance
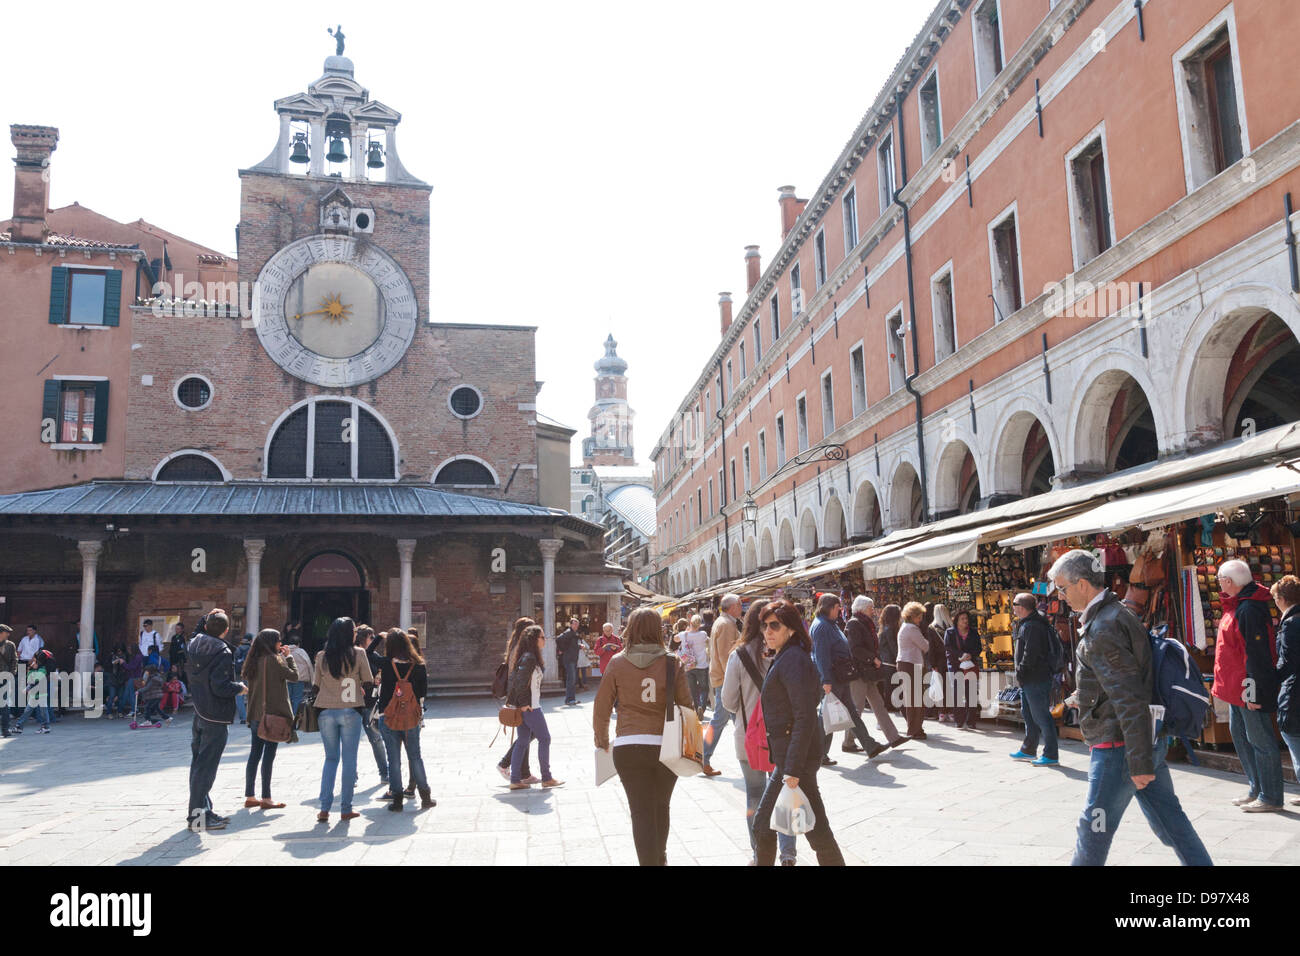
329	586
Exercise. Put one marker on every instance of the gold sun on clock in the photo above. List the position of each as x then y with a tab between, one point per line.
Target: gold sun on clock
332	308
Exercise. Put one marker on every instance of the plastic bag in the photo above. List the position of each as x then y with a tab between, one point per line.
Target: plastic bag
934	692
835	716
792	815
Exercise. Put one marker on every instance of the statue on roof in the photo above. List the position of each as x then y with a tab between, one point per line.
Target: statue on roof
337	34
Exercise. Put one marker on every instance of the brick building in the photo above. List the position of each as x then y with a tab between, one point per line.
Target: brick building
313	446
1058	245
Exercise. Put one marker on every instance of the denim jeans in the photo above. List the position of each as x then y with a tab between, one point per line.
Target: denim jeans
1037	711
569	666
534	726
820	837
241	708
395	740
42	715
505	762
1110	788
126	699
207	743
340	732
1292	742
296	690
755	781
697	679
1252	736
259	752
859	728
648	785
720	718
378	746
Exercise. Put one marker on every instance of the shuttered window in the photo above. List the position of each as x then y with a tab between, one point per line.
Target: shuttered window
85	296
79	411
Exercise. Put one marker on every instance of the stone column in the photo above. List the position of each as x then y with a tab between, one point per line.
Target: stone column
318	147
549	547
253	550
282	152
84	662
406	551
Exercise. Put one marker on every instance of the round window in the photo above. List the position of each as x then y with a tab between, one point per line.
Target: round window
193	392
466	401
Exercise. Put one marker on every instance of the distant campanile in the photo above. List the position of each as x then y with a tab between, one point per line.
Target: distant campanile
610	442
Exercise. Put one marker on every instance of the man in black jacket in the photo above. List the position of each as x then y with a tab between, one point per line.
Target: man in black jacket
1035	667
211	664
1114	689
566	649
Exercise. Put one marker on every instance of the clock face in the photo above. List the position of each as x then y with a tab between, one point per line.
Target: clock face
332	311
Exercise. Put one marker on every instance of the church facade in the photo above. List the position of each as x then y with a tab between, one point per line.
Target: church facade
326	449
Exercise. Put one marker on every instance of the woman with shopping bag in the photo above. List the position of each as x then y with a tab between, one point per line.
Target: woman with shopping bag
637	683
912	648
790	694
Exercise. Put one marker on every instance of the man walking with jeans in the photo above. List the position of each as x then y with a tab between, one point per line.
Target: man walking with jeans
566	650
214	688
1035	667
723	637
1114	683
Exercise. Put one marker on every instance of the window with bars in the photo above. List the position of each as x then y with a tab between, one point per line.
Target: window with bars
465	471
337	439
190	468
193	392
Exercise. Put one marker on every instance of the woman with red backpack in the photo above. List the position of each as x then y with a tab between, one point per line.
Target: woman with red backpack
741	685
403	684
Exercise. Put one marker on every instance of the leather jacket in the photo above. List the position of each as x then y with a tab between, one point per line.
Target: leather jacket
1114	682
519	690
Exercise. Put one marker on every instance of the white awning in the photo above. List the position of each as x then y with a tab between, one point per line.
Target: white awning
946	550
1157	509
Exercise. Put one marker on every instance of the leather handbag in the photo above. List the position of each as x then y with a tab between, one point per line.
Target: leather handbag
308	719
510	716
275	729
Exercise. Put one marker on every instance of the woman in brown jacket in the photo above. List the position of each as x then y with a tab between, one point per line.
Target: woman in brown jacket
268	671
637	683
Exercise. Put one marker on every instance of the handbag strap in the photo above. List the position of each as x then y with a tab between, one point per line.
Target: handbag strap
672	689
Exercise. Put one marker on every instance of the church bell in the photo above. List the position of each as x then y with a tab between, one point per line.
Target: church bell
336	153
299	151
375	159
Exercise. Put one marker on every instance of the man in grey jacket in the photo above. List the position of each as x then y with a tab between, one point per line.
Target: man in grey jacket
1114	691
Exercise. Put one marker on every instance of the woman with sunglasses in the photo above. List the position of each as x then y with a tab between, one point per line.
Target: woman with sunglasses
791	691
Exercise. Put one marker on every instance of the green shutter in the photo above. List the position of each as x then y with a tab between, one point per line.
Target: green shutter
112	296
58	296
50	404
101	413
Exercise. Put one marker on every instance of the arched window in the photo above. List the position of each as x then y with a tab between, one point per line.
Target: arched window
190	468
464	471
345	440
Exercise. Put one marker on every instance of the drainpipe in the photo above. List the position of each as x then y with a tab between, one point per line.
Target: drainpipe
911	308
726	521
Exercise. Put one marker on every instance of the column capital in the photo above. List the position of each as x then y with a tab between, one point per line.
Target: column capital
90	550
550	547
406	549
254	548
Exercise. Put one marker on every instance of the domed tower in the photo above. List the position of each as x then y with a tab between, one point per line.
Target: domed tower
611	418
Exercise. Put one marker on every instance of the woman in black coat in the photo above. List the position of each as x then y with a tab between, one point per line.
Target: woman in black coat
791	692
1286	594
962	644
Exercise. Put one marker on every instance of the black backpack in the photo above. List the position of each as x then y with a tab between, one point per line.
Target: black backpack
500	681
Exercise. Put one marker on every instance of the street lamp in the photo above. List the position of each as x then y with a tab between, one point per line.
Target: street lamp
749	510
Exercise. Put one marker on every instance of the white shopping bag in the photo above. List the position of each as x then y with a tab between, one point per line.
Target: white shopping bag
934	692
835	716
792	815
604	765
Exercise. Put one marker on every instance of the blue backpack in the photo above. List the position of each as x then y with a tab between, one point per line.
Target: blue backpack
1178	687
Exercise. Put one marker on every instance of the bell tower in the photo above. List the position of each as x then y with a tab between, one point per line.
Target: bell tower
611	417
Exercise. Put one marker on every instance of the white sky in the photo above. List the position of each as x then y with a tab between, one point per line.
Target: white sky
596	168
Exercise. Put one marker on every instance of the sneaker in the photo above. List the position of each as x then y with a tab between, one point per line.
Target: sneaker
209	821
18	730
1021	755
1259	806
1242	801
1045	762
504	771
42	730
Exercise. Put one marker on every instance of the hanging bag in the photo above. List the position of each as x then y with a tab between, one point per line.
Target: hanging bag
403	710
682	746
792	815
835	716
757	751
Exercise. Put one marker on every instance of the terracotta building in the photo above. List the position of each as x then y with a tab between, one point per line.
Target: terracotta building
1057	245
320	446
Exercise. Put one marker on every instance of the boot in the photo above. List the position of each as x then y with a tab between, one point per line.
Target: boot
396	805
426	799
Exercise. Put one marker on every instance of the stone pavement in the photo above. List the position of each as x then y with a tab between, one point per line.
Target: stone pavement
94	792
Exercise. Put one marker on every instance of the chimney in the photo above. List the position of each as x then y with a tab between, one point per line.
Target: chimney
753	268
791	209
31	180
724	307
